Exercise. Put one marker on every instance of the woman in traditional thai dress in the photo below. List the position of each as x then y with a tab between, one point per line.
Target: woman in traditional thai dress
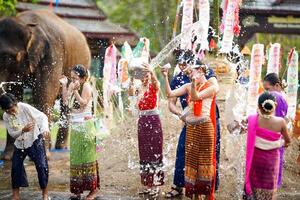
266	135
84	171
200	146
150	135
273	84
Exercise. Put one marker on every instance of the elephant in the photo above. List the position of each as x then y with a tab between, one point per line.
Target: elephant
36	48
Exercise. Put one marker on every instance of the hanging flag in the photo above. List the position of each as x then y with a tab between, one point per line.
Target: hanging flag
230	24
109	80
56	4
292	82
140	54
122	78
50	5
122	72
187	21
213	44
127	54
126	51
274	59
204	24
257	58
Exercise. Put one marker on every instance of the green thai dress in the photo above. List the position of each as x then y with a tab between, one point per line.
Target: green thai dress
84	170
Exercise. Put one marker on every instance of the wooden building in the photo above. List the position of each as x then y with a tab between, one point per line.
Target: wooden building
269	16
91	21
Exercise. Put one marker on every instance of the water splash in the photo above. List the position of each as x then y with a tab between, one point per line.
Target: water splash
168	49
2	84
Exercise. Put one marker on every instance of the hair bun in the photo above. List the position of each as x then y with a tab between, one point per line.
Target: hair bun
268	105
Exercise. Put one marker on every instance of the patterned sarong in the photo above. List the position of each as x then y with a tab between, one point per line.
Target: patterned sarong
262	162
264	174
150	141
84	170
199	160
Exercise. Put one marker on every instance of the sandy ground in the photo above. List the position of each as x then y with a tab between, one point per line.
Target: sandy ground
119	168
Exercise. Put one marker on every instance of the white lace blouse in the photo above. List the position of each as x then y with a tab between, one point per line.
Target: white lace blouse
15	123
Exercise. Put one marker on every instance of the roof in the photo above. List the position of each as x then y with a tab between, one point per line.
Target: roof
84	15
281	7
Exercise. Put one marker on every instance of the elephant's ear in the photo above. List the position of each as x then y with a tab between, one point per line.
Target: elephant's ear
36	45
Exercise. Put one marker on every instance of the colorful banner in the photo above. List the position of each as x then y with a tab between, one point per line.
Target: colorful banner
292	82
229	25
109	81
257	59
204	14
50	5
126	51
56	4
140	54
187	21
274	59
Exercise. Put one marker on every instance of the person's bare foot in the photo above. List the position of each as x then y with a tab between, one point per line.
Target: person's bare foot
75	197
46	197
92	195
16	194
45	194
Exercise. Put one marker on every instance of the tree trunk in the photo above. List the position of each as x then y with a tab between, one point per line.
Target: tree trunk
216	16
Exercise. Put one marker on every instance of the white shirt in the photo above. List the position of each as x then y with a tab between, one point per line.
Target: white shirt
15	123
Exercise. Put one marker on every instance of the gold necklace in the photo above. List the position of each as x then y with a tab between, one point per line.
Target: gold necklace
263	115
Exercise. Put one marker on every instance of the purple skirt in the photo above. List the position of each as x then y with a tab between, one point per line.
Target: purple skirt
150	141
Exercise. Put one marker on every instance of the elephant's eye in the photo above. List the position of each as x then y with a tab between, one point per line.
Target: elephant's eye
6	58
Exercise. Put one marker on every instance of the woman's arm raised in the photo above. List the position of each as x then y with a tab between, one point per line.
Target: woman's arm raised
178	91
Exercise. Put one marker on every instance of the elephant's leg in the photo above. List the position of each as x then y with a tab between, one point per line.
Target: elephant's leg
45	91
50	90
17	90
63	131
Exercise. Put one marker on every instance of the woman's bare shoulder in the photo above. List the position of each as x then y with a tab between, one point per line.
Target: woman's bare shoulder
279	120
87	85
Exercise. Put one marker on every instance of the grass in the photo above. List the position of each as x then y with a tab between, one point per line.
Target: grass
2	133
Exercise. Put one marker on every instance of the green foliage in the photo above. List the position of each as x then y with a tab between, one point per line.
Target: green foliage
151	19
2	133
216	16
7	7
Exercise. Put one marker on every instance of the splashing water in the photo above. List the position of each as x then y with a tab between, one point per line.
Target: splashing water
2	84
168	49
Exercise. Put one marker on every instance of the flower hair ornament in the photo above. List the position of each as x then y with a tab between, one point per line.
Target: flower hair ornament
270	102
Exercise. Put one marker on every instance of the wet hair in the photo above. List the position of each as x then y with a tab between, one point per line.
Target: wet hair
7	101
80	70
266	102
184	56
273	79
201	65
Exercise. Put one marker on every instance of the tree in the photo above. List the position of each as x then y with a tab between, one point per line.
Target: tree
7	7
152	19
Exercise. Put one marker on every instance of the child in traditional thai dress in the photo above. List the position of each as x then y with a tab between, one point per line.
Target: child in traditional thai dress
266	135
273	84
150	135
200	144
84	170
